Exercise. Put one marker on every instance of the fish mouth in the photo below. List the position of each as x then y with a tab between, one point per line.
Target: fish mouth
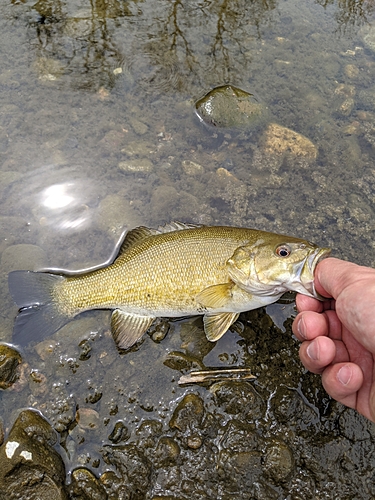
309	268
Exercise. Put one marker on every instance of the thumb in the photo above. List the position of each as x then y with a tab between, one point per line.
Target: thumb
332	276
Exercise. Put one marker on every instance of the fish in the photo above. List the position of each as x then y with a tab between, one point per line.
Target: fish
175	271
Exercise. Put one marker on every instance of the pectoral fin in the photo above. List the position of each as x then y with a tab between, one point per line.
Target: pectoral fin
215	325
216	296
127	328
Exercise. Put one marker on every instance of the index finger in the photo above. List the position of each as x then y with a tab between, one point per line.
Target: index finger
305	303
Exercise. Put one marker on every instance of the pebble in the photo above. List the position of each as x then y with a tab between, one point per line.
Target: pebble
351	71
88	418
346	107
139	127
192	168
141	166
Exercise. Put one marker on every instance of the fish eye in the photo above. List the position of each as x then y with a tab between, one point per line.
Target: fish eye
283	251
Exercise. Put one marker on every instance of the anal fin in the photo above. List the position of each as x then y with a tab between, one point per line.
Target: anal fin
127	328
215	325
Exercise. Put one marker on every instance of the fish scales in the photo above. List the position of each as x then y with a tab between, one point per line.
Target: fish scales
163	273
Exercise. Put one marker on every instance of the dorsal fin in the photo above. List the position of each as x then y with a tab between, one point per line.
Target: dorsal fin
177	226
135	236
142	232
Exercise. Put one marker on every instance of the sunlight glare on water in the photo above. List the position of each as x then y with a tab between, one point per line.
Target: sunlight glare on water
62	206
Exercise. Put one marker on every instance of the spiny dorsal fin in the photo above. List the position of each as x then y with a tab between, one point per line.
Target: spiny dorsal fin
135	236
177	226
127	328
215	296
142	232
215	325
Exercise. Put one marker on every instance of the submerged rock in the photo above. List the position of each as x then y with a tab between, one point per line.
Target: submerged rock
278	140
238	398
137	166
188	421
10	359
29	465
86	486
231	107
134	469
278	461
368	33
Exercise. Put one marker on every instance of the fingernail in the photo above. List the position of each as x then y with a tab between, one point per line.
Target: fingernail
344	374
313	351
301	327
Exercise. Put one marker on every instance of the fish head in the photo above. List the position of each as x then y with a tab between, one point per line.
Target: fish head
274	264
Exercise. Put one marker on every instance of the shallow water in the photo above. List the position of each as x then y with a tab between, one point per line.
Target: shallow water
97	125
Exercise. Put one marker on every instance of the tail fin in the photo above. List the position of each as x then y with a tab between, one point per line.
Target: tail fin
38	315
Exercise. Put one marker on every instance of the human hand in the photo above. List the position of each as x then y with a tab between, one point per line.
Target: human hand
338	334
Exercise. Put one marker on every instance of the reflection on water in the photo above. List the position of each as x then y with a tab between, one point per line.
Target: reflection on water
98	134
350	13
85	45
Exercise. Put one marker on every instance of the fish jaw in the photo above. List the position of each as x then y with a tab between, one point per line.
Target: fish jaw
308	270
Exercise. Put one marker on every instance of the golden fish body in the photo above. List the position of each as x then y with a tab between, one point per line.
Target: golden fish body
178	270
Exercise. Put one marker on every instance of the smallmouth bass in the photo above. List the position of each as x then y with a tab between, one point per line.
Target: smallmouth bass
175	271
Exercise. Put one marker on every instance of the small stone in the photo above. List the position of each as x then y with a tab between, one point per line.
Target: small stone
189	412
139	127
278	140
141	166
103	93
192	168
345	90
352	129
88	418
120	433
86	486
46	348
38	383
159	330
140	149
113	140
194	442
10	359
346	107
167	452
224	177
117	71
279	461
351	71
182	362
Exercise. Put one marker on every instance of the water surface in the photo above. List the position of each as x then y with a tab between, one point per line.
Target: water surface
97	125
